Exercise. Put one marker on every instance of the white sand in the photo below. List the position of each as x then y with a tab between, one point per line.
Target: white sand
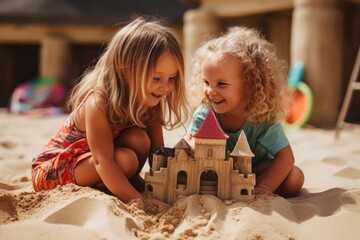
328	207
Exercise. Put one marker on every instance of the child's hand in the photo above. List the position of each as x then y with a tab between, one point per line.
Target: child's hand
152	202
263	189
158	203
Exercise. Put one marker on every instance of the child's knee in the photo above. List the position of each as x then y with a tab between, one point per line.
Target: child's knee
293	183
299	176
136	139
141	142
295	177
127	161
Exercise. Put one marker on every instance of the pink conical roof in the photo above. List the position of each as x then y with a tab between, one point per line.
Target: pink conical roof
210	128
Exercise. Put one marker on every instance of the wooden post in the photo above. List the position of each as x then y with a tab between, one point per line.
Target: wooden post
199	25
54	58
317	41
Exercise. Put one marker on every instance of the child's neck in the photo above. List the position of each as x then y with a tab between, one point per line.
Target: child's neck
231	123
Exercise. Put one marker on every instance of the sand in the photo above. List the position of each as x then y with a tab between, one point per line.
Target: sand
327	208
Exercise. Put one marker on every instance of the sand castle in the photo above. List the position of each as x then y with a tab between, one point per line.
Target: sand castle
205	170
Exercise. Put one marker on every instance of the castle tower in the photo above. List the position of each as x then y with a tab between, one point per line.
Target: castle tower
242	155
158	162
181	145
210	140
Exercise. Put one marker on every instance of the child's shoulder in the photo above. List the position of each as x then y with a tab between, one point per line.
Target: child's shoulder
266	127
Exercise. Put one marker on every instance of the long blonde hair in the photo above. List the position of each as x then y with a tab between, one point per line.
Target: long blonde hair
120	76
265	74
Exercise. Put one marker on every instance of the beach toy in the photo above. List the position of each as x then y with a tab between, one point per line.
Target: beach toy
40	95
302	102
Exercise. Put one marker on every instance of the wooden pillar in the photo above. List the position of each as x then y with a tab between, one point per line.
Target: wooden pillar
279	32
317	41
199	25
54	58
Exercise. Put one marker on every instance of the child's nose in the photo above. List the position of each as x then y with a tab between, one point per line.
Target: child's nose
165	86
210	90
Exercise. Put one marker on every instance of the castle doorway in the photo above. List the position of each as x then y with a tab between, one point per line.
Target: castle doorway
244	192
181	180
149	189
208	183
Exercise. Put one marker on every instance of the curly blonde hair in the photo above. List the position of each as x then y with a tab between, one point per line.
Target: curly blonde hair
121	75
265	75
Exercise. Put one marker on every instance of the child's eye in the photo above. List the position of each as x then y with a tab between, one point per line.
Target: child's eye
206	83
222	84
156	78
173	79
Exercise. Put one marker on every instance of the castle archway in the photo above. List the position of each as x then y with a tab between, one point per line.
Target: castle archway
181	180
149	188
244	192
208	183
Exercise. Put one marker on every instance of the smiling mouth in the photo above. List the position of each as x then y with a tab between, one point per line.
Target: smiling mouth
218	101
156	95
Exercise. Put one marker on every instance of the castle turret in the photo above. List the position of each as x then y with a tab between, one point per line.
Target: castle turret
160	158
181	145
242	155
158	162
210	140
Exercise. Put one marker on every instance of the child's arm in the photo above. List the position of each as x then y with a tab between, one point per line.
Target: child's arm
100	140
277	171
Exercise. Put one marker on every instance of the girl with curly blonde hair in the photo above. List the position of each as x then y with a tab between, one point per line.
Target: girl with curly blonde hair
244	83
118	111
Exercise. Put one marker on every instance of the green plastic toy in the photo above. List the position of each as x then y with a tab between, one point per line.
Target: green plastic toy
302	103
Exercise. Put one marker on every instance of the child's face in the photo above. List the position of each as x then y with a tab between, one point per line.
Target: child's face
163	80
223	83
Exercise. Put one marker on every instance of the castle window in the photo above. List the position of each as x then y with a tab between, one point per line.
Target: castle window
181	180
210	152
244	192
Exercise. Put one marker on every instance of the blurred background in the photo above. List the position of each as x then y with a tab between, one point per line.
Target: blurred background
60	39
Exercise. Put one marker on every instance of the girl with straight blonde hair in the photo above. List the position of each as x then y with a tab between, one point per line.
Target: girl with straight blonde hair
118	111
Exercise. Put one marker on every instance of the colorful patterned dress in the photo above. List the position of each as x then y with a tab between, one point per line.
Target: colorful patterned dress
55	165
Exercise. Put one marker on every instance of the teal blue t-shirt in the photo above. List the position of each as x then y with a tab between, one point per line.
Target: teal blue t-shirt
265	139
